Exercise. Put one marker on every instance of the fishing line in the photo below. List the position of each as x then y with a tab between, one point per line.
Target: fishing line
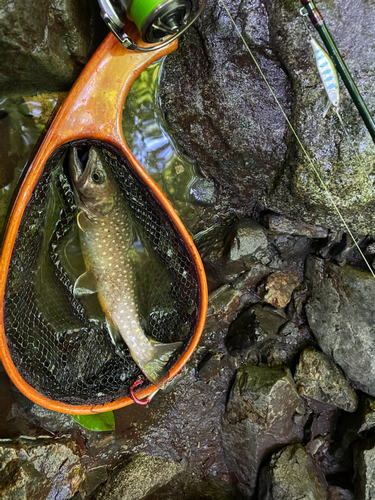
298	139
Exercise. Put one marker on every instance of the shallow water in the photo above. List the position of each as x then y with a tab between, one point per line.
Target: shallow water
147	135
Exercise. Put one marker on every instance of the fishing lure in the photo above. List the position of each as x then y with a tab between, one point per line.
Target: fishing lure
328	75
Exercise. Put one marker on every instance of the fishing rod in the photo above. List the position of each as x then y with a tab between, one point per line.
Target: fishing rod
158	21
319	24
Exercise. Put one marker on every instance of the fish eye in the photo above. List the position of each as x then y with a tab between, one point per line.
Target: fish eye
98	176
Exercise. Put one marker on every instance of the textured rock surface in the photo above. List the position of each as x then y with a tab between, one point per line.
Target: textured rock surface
279	224
138	478
263	410
218	105
229	250
292	475
368	414
44	45
278	288
319	379
224	116
337	493
341	315
42	469
189	487
364	457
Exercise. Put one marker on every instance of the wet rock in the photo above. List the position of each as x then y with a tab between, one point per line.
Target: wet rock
371	249
344	162
367	414
203	192
266	320
263	410
252	277
217	104
45	45
292	248
288	342
41	468
334	239
138	478
364	463
223	305
209	367
282	225
319	379
278	288
93	478
322	420
231	249
262	334
341	316
18	135
292	475
345	253
249	245
255	324
189	487
337	493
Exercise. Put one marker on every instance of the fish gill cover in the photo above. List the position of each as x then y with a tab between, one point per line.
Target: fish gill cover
59	344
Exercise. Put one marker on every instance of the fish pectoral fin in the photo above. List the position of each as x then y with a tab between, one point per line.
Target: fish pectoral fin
84	223
154	368
84	285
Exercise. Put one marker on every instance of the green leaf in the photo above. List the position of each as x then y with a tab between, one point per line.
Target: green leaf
97	422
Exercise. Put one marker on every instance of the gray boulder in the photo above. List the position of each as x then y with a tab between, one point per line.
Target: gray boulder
292	475
364	462
44	45
41	468
222	113
138	478
263	410
341	314
318	379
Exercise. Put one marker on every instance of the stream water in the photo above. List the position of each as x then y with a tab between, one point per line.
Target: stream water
23	118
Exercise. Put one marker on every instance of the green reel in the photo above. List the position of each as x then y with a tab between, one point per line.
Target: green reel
158	21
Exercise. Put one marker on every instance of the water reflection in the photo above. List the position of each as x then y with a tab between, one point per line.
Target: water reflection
18	134
146	134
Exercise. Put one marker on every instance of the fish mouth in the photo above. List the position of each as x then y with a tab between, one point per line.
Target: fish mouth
78	171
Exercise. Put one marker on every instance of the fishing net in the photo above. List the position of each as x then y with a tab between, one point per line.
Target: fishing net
59	344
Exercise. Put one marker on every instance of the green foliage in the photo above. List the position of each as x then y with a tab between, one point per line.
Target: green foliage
97	422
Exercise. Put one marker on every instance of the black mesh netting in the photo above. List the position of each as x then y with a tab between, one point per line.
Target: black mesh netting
59	344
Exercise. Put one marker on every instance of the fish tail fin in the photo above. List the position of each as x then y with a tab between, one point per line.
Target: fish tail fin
154	368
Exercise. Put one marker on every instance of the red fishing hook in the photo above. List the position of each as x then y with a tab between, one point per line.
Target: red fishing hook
134	397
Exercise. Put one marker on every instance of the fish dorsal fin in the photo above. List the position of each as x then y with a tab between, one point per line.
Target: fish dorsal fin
84	285
84	223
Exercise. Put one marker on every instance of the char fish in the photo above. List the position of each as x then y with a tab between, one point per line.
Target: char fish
105	235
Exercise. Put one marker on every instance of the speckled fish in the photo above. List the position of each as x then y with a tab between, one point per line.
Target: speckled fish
328	75
105	235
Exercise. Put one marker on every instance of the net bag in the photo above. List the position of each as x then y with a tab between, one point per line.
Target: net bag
55	346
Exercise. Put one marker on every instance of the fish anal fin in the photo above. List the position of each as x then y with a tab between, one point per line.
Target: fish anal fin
113	332
154	368
84	285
